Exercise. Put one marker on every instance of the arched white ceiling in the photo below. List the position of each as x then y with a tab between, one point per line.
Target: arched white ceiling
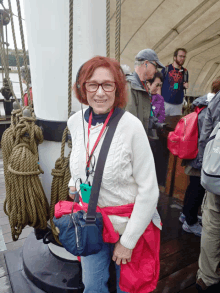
165	25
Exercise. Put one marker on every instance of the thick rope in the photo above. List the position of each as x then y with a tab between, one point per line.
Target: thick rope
118	30
25	203
16	51
24	50
70	55
107	28
61	173
61	177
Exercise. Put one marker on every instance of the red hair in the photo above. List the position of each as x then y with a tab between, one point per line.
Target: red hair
87	71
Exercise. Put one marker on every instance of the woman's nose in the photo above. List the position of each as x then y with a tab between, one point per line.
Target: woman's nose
100	90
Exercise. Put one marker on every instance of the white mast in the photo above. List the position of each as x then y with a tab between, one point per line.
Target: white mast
47	24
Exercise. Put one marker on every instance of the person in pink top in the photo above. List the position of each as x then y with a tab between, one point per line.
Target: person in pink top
154	86
26	78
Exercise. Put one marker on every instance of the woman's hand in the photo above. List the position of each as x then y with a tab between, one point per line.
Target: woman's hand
121	254
72	189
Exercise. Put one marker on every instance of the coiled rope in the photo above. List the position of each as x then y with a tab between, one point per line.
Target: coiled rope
25	203
61	177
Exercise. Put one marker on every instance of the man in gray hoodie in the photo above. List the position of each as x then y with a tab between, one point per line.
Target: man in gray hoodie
208	276
139	104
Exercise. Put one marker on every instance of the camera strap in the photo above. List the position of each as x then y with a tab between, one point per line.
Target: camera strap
91	214
88	157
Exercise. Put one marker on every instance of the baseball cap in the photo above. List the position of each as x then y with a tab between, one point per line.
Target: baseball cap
150	55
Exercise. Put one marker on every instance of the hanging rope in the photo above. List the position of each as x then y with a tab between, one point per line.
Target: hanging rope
4	63
16	51
118	30
107	28
70	56
61	177
24	50
61	173
25	203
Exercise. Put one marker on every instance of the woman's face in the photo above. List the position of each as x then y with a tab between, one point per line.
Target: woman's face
101	101
155	86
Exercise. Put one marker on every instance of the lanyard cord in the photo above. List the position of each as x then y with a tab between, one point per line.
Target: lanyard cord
149	93
147	90
88	157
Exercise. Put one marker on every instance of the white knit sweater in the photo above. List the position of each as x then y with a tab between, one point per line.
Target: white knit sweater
129	174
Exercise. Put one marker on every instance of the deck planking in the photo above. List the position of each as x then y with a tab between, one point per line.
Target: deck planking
179	250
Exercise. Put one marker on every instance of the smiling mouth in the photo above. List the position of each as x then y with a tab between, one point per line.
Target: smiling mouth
100	101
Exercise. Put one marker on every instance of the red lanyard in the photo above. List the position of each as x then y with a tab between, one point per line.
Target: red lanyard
88	157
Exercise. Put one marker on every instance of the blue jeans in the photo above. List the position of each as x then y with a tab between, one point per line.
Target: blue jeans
95	270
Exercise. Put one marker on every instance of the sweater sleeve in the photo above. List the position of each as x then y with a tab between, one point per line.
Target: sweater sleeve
207	128
148	192
71	127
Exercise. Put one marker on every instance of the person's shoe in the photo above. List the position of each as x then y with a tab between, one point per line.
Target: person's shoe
182	218
195	229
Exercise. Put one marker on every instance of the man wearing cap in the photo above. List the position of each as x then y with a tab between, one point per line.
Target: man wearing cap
175	80
145	66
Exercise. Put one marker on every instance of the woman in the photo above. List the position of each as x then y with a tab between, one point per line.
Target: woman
157	141
26	79
129	174
157	100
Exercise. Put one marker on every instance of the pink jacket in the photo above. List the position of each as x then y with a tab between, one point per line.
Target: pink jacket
142	273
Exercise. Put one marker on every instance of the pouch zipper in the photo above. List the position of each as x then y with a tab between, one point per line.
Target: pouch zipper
76	231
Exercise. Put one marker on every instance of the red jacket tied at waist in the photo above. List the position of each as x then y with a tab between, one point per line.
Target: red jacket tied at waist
142	273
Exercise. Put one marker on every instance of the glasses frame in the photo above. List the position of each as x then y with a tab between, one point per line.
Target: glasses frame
101	86
155	65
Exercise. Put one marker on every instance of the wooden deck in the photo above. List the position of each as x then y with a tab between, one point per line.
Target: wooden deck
179	250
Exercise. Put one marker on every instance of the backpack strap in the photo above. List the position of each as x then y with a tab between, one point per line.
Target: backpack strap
166	70
185	74
198	110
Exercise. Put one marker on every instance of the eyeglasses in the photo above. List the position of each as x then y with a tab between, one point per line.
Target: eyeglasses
159	85
156	66
92	87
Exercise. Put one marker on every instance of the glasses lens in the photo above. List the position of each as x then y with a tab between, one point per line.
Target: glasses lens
91	86
108	86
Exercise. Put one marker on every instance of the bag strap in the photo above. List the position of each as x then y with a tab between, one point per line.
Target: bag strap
198	110
91	214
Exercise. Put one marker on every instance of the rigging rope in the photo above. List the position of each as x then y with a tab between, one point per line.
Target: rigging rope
61	173
24	50
4	63
108	28
25	203
61	177
118	30
70	56
16	51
